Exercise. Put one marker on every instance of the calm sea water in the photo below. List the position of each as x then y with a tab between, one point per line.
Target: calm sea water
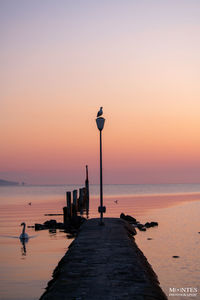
26	269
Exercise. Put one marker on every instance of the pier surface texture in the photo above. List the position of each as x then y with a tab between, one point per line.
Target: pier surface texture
104	263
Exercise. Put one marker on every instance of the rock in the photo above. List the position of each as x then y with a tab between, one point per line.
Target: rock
72	225
141	227
154	224
130	229
50	224
175	256
128	218
39	227
149	239
151	224
147	225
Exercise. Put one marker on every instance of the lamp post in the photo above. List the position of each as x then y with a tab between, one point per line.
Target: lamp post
102	209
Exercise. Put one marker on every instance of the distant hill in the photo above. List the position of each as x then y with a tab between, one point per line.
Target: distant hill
5	182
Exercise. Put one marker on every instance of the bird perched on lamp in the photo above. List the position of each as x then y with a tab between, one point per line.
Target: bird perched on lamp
100	112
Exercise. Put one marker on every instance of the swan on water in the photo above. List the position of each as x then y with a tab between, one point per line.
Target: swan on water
24	235
100	112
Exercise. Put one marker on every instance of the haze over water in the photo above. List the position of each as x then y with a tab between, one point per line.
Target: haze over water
176	207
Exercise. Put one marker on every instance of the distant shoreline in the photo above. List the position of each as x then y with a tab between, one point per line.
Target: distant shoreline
8	183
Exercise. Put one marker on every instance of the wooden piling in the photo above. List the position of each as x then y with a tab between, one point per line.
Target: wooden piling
80	198
84	196
87	188
74	204
65	215
79	204
69	207
81	201
75	197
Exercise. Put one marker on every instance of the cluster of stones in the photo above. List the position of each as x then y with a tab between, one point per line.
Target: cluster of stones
72	226
133	221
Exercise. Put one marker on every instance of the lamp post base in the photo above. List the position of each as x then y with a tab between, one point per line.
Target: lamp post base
101	223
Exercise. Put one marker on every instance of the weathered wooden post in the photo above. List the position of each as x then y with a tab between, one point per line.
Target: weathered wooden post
87	191
65	217
74	204
81	200
84	197
69	207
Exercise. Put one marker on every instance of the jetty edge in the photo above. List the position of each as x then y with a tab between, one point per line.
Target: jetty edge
104	263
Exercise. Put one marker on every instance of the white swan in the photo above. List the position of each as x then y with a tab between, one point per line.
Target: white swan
23	235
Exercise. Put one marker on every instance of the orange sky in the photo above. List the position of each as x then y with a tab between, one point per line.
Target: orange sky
60	63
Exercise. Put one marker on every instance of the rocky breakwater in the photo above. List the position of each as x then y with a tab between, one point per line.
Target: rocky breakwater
104	263
71	226
137	224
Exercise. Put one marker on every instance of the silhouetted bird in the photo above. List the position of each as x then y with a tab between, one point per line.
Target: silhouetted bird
24	235
100	112
116	201
29	203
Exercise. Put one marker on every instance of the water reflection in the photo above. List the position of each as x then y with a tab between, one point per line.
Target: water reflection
23	248
52	232
24	241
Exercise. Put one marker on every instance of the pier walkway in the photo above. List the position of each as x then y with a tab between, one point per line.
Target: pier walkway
104	263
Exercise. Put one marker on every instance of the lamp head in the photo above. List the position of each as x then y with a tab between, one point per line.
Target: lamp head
100	123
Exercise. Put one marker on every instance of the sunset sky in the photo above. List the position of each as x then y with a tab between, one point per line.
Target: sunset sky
62	60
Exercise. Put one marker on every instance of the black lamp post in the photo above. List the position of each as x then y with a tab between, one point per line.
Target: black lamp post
102	209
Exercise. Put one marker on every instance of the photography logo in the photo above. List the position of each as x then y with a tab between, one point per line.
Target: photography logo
183	291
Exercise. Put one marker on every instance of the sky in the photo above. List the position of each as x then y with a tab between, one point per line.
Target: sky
62	60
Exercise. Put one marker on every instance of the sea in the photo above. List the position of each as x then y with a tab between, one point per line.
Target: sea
26	268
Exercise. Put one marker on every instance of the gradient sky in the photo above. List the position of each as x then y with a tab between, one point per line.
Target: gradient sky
62	60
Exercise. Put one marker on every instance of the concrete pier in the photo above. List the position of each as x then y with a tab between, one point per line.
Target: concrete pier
104	263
